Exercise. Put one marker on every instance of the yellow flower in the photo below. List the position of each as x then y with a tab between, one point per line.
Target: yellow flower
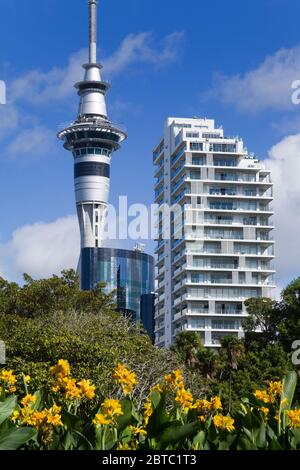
138	431
27	378
265	411
101	420
53	416
275	388
28	400
54	420
87	389
184	398
223	422
203	406
9	380
175	379
15	416
216	403
61	369
125	378
284	402
201	418
294	417
262	395
157	388
112	407
123	446
148	410
70	388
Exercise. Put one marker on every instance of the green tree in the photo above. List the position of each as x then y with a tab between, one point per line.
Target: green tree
289	327
262	323
187	345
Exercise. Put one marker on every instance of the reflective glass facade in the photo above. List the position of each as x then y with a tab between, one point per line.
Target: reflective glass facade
129	273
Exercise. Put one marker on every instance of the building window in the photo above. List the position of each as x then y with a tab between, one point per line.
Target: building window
192	135
231	148
91	169
195	175
196	146
198	160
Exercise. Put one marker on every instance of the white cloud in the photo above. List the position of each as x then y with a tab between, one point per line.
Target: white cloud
38	87
9	120
41	249
284	162
140	48
266	87
34	142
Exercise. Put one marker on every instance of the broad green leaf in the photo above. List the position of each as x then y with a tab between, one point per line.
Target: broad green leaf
7	407
176	433
124	420
260	436
70	420
158	419
15	438
288	391
38	398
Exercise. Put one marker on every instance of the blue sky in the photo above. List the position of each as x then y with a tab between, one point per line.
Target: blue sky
232	61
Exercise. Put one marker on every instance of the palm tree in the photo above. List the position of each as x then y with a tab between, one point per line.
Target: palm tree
187	345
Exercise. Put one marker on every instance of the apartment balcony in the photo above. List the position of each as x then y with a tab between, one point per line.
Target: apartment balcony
178	256
179	270
161	270
179	315
159	181
180	299
230	180
227	283
218	315
235	223
178	170
160	298
159	192
160	341
179	329
239	196
158	152
159	327
224	267
176	157
159	313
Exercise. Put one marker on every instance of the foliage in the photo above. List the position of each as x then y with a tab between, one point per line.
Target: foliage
92	343
48	296
169	418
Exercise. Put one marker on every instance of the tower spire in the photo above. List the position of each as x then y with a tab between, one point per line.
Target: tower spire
93	31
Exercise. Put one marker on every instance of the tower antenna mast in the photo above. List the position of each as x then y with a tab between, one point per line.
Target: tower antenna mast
93	31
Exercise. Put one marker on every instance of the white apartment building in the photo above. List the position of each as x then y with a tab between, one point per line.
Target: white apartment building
219	251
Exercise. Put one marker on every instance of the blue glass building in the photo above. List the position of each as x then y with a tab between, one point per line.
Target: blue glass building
129	273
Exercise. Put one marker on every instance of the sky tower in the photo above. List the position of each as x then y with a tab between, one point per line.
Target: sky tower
92	138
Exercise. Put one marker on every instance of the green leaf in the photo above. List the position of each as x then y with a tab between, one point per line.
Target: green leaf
260	437
124	420
7	407
176	433
200	439
159	418
288	391
15	438
70	420
274	445
38	398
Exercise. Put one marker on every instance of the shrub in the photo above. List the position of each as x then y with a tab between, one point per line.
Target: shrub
60	419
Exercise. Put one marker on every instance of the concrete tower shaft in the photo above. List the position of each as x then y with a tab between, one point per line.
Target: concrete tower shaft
92	138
